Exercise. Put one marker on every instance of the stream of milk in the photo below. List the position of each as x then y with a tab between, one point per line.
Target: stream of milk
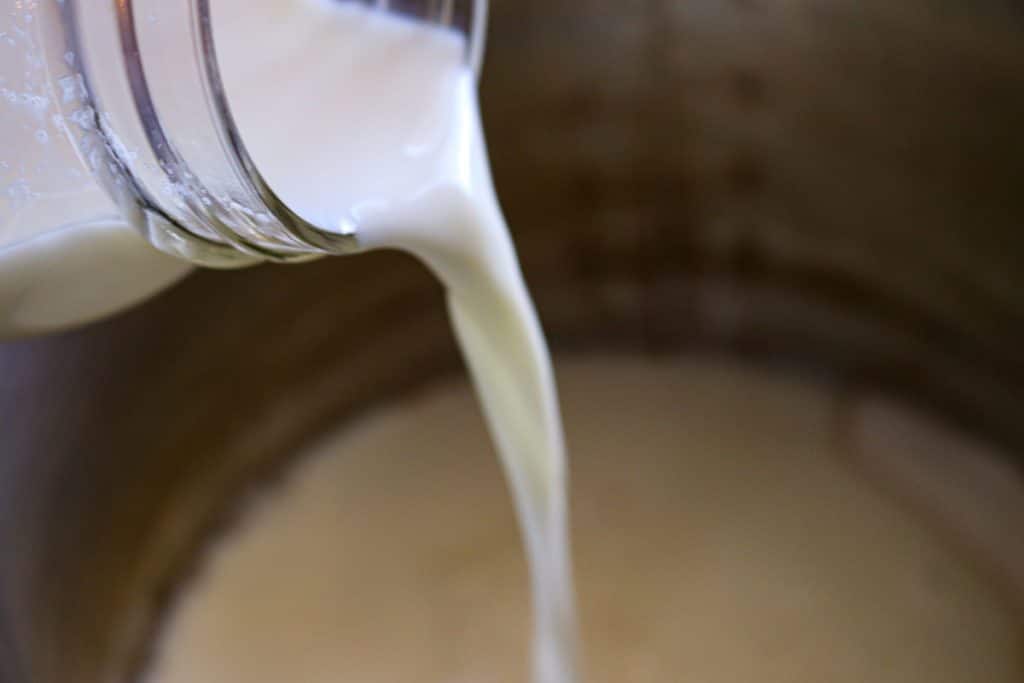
367	122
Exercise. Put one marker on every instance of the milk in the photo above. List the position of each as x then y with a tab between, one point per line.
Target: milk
724	532
363	122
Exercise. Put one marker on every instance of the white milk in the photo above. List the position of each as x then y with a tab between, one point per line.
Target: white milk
722	531
363	121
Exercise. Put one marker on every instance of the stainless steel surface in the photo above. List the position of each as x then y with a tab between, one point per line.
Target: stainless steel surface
826	184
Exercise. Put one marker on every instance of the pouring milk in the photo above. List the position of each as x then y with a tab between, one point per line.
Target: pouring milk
366	122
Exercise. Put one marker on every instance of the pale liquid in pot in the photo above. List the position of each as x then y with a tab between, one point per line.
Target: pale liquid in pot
722	529
357	570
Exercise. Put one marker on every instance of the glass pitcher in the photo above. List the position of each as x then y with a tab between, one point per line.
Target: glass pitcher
116	136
